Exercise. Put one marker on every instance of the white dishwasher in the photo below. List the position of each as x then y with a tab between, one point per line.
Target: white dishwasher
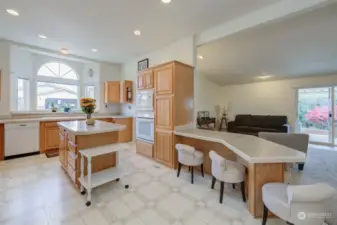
22	138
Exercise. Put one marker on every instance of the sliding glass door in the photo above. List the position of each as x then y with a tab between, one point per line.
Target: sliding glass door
315	109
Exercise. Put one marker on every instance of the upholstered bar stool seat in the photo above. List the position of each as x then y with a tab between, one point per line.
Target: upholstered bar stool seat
296	204
189	156
227	172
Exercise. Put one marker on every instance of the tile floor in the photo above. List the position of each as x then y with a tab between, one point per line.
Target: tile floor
35	191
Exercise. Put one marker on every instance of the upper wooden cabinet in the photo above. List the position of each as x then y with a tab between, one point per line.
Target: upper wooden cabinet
164	112
118	91
164	79
145	80
112	92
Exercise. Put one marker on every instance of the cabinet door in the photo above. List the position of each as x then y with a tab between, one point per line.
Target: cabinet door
52	139
148	77
112	92
140	80
164	112
125	135
164	79
164	147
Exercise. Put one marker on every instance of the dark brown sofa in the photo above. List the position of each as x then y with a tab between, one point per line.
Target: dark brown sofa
253	124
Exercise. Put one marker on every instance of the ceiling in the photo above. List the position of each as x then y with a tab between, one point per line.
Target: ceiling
303	45
108	25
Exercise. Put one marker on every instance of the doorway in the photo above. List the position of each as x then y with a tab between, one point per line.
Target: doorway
315	110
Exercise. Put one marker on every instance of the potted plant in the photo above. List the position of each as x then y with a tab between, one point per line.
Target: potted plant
88	106
66	108
53	107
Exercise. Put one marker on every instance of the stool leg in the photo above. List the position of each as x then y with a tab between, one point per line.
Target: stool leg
192	175
243	191
189	169
202	170
265	215
179	168
213	182
221	191
233	185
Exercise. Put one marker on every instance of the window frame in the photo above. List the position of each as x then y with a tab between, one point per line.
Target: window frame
33	81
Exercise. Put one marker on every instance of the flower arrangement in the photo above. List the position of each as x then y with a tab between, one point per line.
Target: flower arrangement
88	106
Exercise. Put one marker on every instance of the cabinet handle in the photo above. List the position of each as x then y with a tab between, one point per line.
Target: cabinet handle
61	137
72	144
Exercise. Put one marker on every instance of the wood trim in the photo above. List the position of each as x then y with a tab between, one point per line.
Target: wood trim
171	62
2	142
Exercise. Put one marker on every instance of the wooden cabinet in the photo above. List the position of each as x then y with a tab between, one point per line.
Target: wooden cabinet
144	148
63	148
126	90
49	136
164	79
125	135
145	80
164	112
164	147
112	92
117	92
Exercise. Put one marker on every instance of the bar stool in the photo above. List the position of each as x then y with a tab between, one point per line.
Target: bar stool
294	203
188	156
227	171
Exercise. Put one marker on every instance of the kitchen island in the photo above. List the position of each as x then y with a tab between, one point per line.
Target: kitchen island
77	135
264	160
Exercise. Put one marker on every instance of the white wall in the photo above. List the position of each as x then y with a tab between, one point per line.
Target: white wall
5	78
109	72
270	98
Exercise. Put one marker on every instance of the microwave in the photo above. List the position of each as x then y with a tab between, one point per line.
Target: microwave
144	100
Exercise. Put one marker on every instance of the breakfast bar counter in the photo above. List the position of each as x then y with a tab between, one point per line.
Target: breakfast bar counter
265	161
76	136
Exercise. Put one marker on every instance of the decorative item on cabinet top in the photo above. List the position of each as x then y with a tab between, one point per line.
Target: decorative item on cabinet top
118	91
143	64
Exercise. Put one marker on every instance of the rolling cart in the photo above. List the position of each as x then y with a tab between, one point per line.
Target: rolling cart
93	180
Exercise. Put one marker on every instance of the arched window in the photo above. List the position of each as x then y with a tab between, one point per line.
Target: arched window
58	70
57	86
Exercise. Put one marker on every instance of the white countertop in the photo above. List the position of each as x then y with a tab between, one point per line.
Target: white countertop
60	118
81	128
252	149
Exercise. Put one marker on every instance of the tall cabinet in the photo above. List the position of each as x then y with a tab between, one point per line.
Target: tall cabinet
174	90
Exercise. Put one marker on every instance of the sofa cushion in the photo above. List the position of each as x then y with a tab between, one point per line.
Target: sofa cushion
242	120
276	121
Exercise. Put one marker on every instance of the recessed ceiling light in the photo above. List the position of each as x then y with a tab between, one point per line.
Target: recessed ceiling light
94	50
64	51
200	57
42	36
166	1
137	32
12	12
264	77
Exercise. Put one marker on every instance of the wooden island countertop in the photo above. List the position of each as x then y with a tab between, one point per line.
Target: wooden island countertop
76	136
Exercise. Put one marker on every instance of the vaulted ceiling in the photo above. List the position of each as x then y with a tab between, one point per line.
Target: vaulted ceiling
108	25
298	46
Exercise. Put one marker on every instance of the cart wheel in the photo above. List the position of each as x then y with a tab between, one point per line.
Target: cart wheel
82	192
126	186
117	179
88	203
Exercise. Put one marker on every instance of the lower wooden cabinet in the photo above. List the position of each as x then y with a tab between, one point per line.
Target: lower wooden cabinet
49	136
164	151
63	148
144	148
125	135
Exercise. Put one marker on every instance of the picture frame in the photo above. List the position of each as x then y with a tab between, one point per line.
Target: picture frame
143	64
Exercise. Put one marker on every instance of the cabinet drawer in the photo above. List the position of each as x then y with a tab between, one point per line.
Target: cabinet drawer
144	148
51	124
72	158
72	173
